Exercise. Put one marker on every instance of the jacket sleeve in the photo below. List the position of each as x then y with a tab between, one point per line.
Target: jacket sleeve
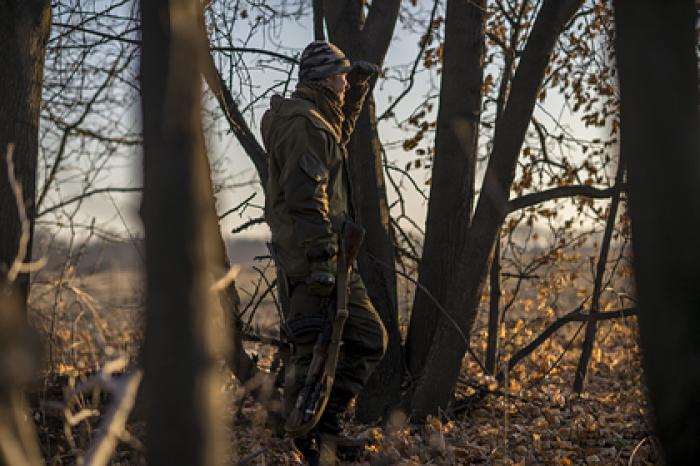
354	100
304	179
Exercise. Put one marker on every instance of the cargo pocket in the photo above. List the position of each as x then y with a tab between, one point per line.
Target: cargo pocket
313	168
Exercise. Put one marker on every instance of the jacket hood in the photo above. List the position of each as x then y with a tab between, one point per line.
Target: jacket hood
282	109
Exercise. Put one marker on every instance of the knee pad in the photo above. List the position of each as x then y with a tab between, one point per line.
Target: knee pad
303	329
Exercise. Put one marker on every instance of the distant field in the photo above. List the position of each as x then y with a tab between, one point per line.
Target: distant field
97	305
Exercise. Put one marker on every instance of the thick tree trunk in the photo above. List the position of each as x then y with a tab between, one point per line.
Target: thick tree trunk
24	33
452	187
443	363
658	73
368	39
376	256
181	345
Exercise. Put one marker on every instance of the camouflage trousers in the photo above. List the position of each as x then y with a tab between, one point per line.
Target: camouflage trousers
364	344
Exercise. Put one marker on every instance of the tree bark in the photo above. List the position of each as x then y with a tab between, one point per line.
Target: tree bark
443	363
319	32
495	316
658	73
181	345
452	188
368	39
24	33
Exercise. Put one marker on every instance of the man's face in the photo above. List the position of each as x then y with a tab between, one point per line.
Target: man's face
338	83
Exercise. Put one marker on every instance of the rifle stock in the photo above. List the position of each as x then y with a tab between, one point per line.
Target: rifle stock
313	397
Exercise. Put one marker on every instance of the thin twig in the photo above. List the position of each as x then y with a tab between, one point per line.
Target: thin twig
87	194
574	316
248	224
234	209
24	224
636	449
558	360
423	44
129	40
114	423
439	306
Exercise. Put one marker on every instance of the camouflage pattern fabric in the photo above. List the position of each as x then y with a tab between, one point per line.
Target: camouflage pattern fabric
321	59
308	190
364	344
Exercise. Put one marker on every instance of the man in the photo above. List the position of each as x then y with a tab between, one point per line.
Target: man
308	197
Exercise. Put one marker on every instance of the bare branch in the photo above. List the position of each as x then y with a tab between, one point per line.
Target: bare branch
529	200
411	78
598	284
129	40
248	224
25	229
574	316
277	55
67	131
239	206
121	37
113	425
87	194
235	119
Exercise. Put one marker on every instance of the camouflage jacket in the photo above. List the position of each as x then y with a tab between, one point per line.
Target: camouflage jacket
308	190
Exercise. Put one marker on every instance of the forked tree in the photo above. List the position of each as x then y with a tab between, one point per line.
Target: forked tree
441	365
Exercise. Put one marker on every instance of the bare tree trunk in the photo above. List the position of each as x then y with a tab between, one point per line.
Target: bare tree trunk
443	363
319	33
24	33
452	187
382	389
368	39
592	326
658	74
182	345
495	315
491	361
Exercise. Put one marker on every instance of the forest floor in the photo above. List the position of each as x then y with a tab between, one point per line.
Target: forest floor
532	417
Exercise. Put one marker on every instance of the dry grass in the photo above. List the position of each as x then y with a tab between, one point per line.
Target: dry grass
532	418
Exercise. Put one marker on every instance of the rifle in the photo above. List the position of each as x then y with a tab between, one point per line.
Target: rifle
313	397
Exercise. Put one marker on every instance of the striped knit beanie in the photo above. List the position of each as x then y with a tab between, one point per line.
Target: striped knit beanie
321	59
